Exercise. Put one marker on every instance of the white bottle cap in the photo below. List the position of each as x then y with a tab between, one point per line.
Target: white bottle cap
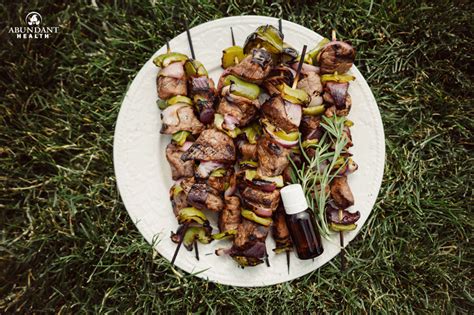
293	199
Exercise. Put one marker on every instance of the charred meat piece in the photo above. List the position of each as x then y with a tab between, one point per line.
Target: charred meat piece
249	233
203	92
202	196
311	84
255	67
260	201
311	128
247	150
230	218
168	87
211	145
179	199
332	215
341	192
180	117
336	56
278	113
280	230
272	157
179	168
220	183
332	110
242	112
187	183
278	75
336	94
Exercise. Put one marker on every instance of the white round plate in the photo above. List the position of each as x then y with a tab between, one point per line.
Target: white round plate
144	176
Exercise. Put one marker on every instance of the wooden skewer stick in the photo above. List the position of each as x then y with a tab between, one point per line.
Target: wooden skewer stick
333	33
300	65
232	35
168	49
288	260
236	60
190	41
341	242
280	25
179	245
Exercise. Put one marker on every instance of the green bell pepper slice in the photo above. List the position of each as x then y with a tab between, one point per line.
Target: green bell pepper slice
242	88
196	233
194	68
220	172
295	96
312	56
337	227
164	60
314	110
265	36
250	215
225	234
339	78
190	214
180	137
232	54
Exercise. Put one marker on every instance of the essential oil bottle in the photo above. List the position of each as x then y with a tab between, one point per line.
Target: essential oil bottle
301	223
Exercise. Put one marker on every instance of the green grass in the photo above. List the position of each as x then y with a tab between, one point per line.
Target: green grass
67	243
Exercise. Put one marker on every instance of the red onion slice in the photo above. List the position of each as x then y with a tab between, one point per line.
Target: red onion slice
306	68
230	121
174	70
266	213
232	187
283	143
186	146
294	113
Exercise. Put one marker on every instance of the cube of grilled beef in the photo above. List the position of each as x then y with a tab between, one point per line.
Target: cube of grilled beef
280	114
280	231
278	75
202	196
311	84
249	233
247	150
179	168
180	117
255	67
179	200
260	201
230	218
287	172
168	87
243	112
204	94
187	183
341	192
311	127
336	56
272	157
331	109
336	94
211	145
220	183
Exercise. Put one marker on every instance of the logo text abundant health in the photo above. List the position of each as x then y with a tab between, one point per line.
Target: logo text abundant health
34	30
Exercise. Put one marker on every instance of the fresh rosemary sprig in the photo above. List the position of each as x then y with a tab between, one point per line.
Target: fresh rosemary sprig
317	172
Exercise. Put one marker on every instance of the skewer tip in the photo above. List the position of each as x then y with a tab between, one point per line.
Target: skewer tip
232	35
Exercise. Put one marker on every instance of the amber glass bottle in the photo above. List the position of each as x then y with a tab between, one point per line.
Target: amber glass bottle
301	223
